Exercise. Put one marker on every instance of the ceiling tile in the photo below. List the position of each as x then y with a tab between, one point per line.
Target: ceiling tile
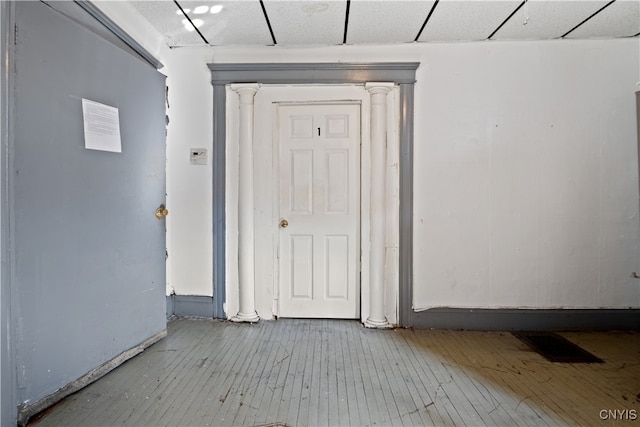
544	19
238	23
307	22
386	21
621	19
163	17
466	20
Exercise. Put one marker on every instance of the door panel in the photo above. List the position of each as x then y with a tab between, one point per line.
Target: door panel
301	266
301	182
337	194
337	262
319	152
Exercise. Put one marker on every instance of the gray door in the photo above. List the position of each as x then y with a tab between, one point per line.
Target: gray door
89	253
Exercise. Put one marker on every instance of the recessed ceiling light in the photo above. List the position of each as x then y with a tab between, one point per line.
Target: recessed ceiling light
200	10
217	8
187	25
179	12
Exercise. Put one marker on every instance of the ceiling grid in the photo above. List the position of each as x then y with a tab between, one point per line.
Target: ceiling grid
360	22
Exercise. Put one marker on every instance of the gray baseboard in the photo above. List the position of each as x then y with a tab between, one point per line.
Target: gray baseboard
26	412
170	309
527	319
190	306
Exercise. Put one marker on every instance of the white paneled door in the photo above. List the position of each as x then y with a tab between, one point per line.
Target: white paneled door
319	198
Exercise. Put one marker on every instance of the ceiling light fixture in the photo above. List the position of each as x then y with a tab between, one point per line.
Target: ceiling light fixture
187	25
217	8
200	10
192	25
179	12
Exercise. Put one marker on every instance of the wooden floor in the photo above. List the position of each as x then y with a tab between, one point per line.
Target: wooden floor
335	372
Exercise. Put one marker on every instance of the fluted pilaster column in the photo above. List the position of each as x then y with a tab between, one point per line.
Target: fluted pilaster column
378	91
246	246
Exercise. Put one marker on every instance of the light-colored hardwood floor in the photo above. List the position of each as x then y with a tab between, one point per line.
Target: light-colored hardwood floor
335	372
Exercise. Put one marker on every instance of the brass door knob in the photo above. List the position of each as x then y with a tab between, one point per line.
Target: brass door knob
284	223
161	212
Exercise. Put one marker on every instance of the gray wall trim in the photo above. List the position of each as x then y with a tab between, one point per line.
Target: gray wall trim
528	319
303	73
8	395
94	11
28	411
405	294
193	306
402	73
219	197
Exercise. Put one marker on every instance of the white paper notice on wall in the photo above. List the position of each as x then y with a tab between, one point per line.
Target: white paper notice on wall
101	127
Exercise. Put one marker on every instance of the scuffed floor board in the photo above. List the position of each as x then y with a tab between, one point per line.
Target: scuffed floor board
25	413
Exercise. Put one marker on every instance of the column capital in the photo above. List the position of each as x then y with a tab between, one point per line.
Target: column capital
375	88
242	88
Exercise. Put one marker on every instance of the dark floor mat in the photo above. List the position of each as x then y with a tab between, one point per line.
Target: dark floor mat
556	348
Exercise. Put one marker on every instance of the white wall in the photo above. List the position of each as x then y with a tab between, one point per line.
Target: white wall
526	177
189	187
525	169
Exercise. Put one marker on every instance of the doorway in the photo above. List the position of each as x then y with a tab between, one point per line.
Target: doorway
255	118
280	82
319	210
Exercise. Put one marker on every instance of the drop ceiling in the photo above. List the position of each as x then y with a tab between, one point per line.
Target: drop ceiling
337	22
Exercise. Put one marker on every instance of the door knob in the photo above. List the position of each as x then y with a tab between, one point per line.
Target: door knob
161	212
284	223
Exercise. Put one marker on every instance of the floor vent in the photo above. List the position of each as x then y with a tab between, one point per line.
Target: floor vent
556	348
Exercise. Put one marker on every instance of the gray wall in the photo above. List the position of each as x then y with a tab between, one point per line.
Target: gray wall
88	253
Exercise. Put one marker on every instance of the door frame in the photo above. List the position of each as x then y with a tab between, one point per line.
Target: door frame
400	73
